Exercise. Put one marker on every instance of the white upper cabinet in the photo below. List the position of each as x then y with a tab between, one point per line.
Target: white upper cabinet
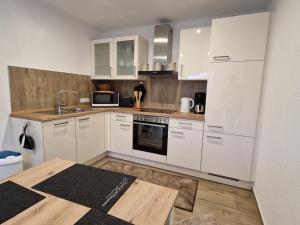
239	38
119	58
193	59
102	59
233	92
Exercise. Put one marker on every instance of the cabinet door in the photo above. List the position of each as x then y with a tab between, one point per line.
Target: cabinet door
125	57
227	155
193	54
90	131
121	137
232	100
107	131
184	148
102	59
60	139
239	38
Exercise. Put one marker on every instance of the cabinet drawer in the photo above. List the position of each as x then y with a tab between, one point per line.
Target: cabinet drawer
227	155
123	117
186	124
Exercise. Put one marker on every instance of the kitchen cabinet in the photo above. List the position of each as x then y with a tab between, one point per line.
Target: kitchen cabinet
107	131
193	62
119	58
239	38
233	92
90	133
184	148
121	133
60	139
102	53
227	155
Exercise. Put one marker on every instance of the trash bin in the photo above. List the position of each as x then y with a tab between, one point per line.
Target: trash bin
11	163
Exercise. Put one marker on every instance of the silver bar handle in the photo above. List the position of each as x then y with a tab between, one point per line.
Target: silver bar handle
177	132
61	124
185	123
214	137
221	58
121	116
181	69
214	126
125	125
150	124
85	119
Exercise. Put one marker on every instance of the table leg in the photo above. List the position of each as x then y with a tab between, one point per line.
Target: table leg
170	217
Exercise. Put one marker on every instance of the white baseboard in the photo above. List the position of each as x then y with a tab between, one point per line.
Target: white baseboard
184	171
259	206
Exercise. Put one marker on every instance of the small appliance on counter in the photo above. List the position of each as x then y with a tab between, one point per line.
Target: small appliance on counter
200	100
105	98
126	102
186	105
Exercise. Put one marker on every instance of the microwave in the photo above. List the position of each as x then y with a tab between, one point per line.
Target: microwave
105	98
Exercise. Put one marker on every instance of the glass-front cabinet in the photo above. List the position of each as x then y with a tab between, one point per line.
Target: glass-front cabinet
119	58
103	59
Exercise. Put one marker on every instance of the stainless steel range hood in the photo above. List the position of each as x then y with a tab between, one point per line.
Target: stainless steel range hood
163	40
162	53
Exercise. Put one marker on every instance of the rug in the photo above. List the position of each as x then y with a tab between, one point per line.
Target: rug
187	187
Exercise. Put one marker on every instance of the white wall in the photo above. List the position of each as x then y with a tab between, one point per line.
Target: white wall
277	179
147	32
36	36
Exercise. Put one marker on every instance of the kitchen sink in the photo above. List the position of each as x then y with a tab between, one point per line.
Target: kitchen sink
66	111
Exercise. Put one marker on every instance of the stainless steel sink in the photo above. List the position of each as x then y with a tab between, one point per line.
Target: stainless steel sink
66	111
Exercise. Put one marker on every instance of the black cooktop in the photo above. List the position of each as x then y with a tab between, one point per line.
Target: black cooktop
167	111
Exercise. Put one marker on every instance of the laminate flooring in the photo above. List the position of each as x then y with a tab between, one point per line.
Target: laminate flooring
230	205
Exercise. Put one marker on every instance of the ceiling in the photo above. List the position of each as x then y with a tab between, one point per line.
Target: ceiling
116	14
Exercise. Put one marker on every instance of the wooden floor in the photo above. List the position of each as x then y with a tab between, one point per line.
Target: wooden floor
230	205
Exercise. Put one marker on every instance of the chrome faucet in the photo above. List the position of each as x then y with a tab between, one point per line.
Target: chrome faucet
59	104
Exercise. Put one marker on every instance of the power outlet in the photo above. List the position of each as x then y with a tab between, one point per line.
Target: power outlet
84	100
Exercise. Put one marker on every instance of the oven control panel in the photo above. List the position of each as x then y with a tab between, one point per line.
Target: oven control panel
151	119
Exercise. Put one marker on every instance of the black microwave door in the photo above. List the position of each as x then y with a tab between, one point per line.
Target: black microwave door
101	98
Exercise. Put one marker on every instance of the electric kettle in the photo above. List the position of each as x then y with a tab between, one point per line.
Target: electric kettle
186	104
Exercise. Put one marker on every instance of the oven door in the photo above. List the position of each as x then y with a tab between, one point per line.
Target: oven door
105	99
149	137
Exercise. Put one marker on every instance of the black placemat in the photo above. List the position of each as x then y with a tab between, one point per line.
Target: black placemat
14	199
96	217
95	188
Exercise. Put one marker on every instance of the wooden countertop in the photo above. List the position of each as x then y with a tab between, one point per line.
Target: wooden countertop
38	115
143	203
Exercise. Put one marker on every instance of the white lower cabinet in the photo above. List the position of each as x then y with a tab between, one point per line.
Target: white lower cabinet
184	148
227	155
107	131
121	137
60	139
185	143
90	133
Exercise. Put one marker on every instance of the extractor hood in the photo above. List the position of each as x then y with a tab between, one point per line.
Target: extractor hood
162	52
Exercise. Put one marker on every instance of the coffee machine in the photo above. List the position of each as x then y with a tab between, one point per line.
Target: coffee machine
200	99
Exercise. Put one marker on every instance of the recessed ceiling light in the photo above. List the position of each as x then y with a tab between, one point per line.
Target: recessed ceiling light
198	31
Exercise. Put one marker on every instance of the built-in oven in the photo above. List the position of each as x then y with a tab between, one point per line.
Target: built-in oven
150	134
105	98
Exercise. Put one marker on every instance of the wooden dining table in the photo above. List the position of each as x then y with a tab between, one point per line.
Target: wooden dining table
142	204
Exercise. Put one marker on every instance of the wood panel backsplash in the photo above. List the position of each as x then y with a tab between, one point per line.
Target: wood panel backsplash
38	89
162	92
